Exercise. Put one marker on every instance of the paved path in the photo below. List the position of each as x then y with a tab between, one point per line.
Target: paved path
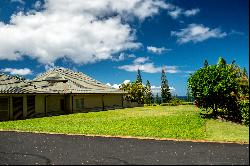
28	148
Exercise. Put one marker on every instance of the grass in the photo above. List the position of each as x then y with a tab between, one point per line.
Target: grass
179	122
226	131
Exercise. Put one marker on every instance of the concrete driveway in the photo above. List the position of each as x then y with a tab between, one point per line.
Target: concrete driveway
30	148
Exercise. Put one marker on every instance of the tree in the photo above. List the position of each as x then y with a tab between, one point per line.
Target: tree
206	63
189	96
221	62
153	98
126	88
217	87
244	85
135	92
148	93
165	91
139	79
157	99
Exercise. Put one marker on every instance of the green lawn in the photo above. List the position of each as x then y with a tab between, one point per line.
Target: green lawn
180	122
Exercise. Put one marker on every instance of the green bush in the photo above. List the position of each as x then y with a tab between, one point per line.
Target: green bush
187	103
220	88
173	103
164	104
244	109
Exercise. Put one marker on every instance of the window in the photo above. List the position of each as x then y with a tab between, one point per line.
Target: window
62	104
4	109
79	104
4	104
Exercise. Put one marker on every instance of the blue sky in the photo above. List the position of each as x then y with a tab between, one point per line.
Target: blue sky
109	40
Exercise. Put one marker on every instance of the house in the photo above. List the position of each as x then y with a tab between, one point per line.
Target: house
57	91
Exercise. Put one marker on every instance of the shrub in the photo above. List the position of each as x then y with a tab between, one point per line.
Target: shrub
173	103
146	105
244	109
164	104
187	103
219	88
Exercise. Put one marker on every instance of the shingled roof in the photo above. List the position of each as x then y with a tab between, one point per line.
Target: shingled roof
56	80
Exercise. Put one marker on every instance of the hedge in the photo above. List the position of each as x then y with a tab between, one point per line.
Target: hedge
244	109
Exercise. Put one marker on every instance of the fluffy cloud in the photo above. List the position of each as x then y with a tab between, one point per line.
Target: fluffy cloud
116	86
171	69
157	89
147	67
234	32
197	33
37	5
82	31
141	60
19	1
12	71
142	64
191	12
176	12
123	56
126	81
157	50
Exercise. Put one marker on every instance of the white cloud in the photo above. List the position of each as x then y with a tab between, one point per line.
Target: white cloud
171	69
117	86
79	30
147	67
157	50
141	60
37	5
24	71
157	89
197	33
131	56
123	56
108	84
191	12
176	12
233	32
126	81
50	66
189	72
142	64
19	1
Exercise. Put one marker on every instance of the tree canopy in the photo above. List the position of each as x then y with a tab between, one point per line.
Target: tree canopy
139	79
149	99
219	86
165	91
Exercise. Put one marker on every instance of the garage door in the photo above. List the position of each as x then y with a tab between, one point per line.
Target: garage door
4	109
